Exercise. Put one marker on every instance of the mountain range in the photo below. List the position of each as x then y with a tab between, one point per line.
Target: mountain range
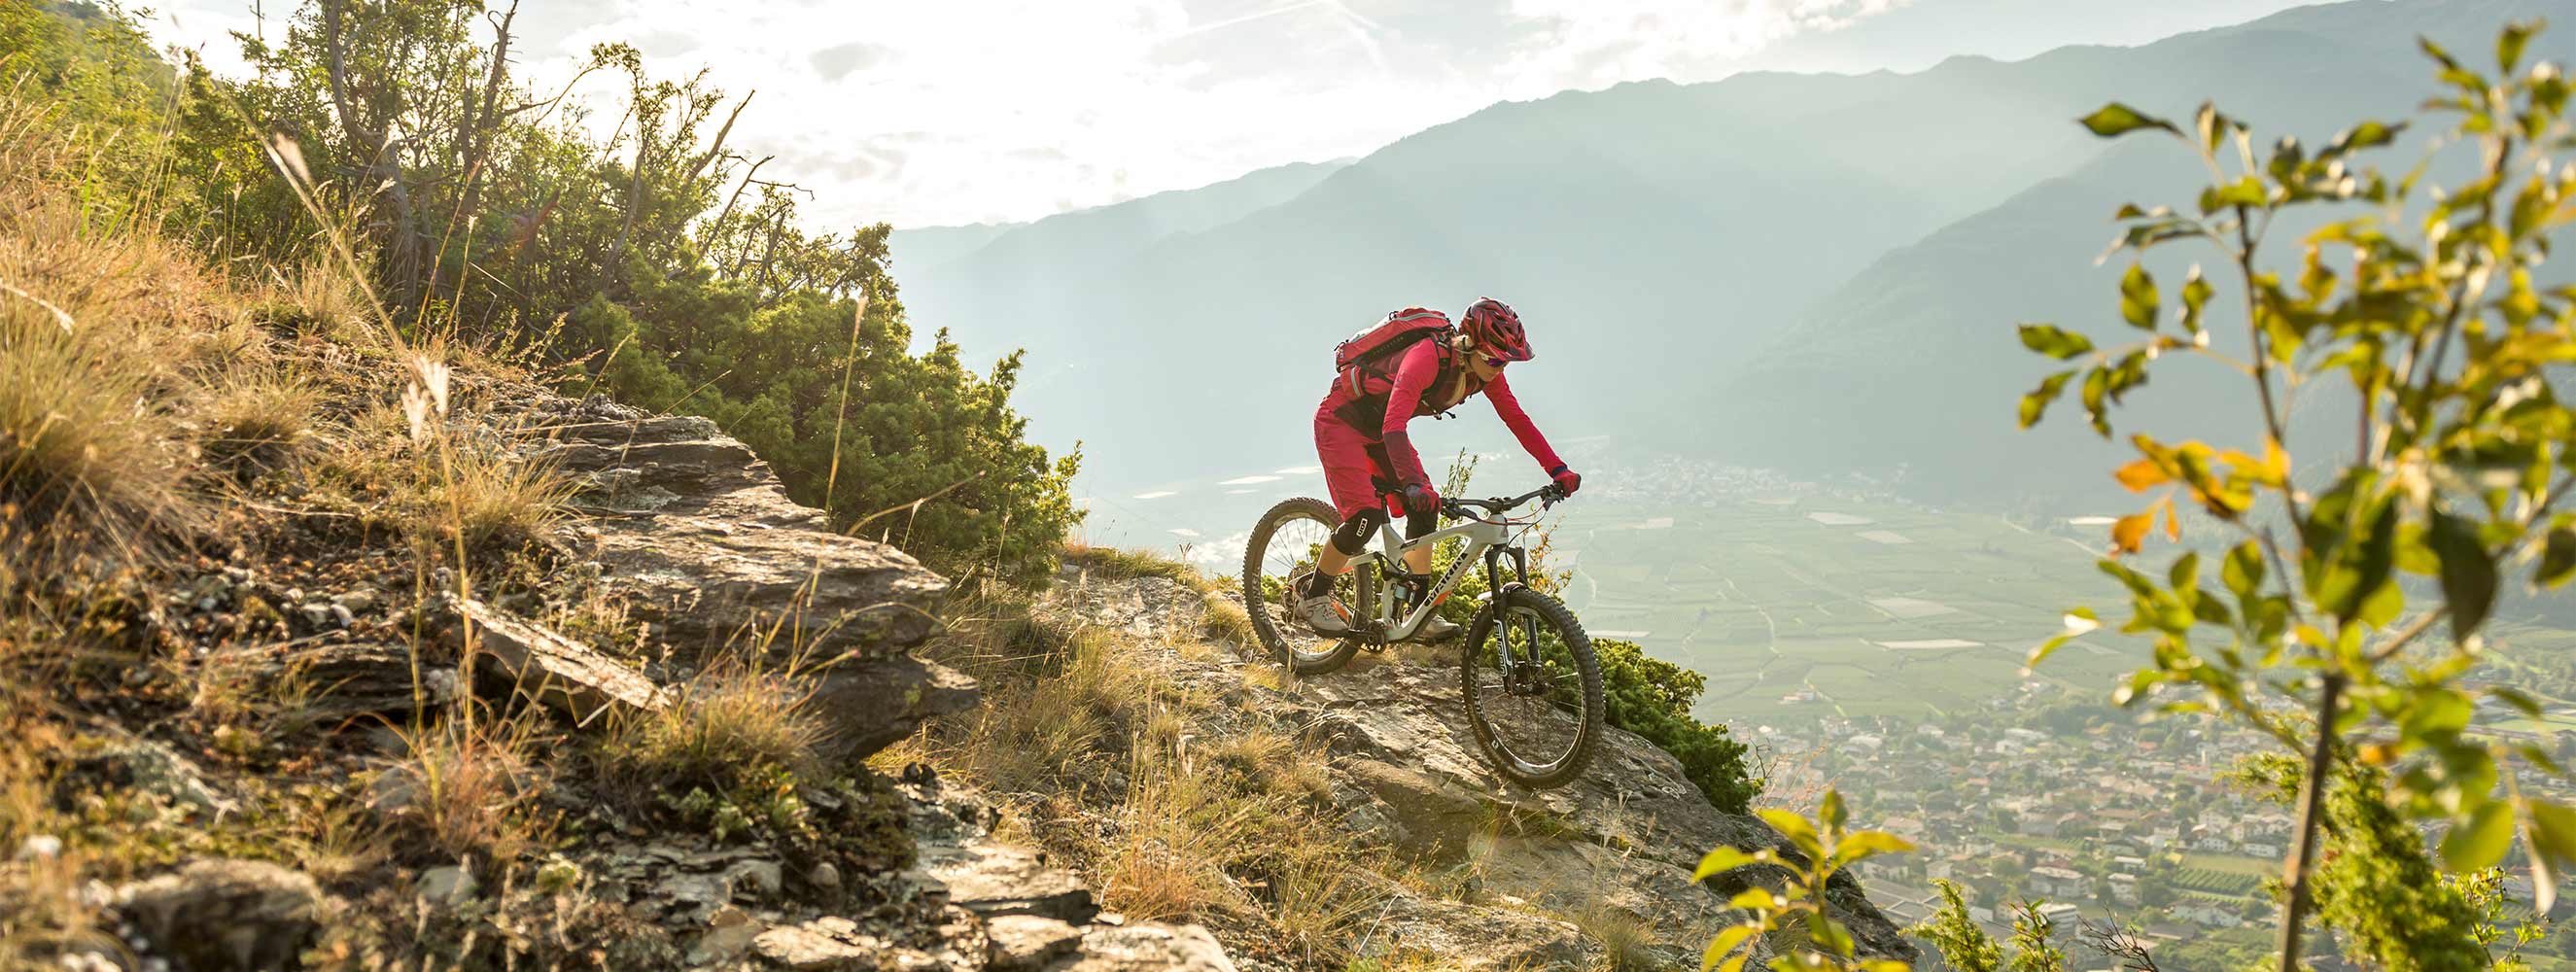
1813	272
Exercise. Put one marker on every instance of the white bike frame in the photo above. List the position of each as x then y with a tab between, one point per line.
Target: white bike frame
1485	541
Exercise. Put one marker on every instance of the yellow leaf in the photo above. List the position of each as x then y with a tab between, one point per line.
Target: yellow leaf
2130	531
2173	522
2141	474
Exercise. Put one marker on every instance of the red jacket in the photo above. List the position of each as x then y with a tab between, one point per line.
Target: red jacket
1426	380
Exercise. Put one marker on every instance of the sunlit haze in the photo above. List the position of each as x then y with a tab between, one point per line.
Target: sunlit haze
941	113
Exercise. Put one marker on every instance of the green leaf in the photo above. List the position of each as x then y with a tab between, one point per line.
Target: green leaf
1832	813
2482	841
2552	837
2195	295
1725	942
2468	572
2054	341
1870	843
2509	44
2035	404
2211	125
2557	558
2361	568
2045	649
2097	383
1829	934
2185	573
2520	700
2248	191
2138	299
2382	606
2369	134
2436	714
2137	583
2244	569
1720	861
2439	55
1755	899
1792	826
2116	119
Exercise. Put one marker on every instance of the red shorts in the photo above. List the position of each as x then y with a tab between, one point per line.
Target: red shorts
1353	465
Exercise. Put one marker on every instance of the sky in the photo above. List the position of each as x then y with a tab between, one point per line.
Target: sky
944	112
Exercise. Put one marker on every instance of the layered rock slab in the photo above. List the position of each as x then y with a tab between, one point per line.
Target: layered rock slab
697	537
688	526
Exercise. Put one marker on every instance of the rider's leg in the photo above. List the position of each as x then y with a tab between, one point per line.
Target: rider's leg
1348	540
1417	523
1349	474
1418	560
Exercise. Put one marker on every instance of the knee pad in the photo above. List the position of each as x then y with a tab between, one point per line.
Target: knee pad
1419	522
1352	536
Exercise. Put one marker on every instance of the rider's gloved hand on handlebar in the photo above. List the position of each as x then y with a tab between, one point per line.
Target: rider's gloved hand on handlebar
1566	479
1420	497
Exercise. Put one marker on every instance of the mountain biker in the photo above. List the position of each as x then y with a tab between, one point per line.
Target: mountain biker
1360	436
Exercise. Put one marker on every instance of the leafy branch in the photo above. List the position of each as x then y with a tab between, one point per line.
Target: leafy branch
2426	306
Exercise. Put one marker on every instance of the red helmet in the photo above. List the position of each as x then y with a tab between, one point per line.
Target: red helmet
1496	328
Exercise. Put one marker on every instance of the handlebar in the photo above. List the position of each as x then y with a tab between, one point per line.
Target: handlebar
1548	495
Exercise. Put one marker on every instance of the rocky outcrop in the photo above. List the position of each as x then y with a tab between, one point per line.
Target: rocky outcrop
695	535
222	915
1624	839
693	531
342	682
532	660
1034	916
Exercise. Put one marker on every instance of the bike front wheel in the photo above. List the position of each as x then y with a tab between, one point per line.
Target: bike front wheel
1284	545
1539	719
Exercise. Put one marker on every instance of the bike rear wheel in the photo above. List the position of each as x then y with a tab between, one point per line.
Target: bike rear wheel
1284	545
1539	724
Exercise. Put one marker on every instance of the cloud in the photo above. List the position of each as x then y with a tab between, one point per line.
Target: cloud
977	110
837	61
1595	43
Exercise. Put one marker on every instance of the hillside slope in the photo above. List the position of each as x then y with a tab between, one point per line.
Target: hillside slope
1913	362
1342	816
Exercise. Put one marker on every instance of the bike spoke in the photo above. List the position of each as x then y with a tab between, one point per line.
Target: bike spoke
1291	550
1530	723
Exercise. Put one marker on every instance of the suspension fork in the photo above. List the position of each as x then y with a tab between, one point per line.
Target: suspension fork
1502	593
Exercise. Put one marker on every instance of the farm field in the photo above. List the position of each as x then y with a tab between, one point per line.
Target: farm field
1814	607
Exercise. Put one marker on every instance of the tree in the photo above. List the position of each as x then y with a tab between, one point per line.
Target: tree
2442	342
654	265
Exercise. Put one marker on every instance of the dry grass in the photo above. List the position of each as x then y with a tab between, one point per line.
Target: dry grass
108	340
730	720
258	417
480	494
86	460
42	910
1627	941
1227	622
1036	733
1112	562
468	789
318	301
1136	780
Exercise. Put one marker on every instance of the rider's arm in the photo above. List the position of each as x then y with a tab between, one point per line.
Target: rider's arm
1421	365
1500	393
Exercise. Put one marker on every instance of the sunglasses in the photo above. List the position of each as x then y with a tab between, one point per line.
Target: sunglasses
1495	362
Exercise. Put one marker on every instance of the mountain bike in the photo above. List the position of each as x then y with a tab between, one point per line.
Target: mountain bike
1530	682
